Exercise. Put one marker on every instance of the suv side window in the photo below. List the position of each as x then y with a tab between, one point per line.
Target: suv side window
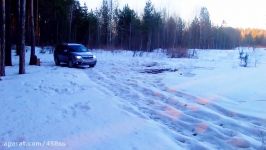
65	49
70	49
59	49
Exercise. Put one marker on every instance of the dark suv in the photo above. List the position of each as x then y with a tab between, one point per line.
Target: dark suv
74	55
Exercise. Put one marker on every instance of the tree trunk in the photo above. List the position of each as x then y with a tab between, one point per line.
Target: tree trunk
110	24
70	22
18	28
130	35
36	23
2	39
22	37
8	56
149	42
33	57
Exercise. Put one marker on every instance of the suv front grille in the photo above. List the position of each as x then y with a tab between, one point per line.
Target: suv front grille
87	57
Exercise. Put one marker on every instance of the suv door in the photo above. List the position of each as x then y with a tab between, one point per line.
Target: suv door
65	53
58	52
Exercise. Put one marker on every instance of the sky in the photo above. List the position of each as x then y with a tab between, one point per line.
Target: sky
236	13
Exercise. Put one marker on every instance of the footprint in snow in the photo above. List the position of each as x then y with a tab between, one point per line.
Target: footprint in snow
73	83
81	108
239	142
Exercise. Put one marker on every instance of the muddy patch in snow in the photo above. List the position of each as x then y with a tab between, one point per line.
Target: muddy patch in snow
158	70
152	64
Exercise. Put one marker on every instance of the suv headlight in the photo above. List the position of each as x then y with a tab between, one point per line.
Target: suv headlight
94	57
78	57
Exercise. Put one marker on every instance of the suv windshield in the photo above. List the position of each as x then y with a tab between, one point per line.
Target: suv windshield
78	48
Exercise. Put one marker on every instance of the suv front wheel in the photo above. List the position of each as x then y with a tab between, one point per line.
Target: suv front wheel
93	65
70	63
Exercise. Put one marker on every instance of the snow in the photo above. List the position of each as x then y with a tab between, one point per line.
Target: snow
232	85
148	101
58	104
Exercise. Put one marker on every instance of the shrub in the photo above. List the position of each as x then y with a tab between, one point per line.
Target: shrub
177	52
243	58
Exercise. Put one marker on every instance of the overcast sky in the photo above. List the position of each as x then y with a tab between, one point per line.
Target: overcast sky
236	13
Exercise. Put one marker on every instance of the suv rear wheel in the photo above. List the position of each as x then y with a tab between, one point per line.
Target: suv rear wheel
57	61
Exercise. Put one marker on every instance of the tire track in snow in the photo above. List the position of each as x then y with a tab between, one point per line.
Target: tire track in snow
192	123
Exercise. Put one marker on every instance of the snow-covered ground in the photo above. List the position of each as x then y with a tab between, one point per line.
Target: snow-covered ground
125	102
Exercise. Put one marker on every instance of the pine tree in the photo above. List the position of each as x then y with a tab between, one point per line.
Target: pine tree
147	24
126	17
33	57
104	23
70	20
22	37
180	32
194	34
2	38
8	53
205	28
171	31
18	27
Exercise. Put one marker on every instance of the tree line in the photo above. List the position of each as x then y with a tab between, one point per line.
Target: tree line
112	26
49	22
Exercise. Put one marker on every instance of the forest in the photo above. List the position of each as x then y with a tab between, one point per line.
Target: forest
49	22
